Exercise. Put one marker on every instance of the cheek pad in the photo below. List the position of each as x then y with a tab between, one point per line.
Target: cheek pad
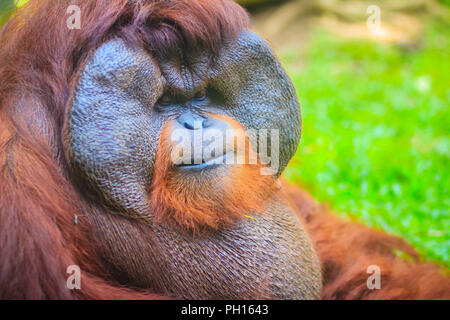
111	128
113	131
258	92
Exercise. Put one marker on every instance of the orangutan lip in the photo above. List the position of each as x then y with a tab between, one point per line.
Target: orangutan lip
215	162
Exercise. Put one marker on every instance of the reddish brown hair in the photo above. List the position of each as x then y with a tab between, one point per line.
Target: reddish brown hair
193	207
39	61
40	55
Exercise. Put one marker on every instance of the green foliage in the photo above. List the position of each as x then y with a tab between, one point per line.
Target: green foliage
446	2
376	134
5	8
252	2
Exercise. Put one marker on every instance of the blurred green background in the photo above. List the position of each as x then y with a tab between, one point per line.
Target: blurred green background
376	123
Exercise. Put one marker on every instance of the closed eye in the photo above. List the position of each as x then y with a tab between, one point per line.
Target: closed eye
201	95
165	100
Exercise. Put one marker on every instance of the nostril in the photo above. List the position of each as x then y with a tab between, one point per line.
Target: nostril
188	125
207	123
191	121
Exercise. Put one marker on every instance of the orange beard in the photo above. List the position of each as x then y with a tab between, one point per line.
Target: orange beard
201	201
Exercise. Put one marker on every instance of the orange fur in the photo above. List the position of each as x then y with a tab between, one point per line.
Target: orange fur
38	237
196	204
39	61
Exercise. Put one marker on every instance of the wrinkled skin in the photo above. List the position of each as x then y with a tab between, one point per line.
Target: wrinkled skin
111	141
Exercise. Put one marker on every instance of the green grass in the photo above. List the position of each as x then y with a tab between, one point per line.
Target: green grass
5	8
376	134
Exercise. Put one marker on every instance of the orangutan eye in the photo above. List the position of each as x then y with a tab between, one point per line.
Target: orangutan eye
201	95
165	100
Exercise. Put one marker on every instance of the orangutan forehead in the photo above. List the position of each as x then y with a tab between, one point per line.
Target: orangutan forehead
181	25
126	67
